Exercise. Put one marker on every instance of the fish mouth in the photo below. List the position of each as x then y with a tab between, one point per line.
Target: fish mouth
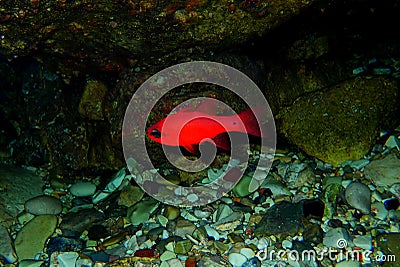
155	133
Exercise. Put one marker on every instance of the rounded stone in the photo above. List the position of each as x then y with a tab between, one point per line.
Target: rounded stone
43	205
83	189
237	259
358	196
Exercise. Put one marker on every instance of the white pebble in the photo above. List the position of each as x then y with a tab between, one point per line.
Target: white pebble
247	252
237	259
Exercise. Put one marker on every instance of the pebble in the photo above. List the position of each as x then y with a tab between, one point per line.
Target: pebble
31	238
171	212
63	244
337	238
174	263
184	227
42	205
391	204
130	195
348	264
6	246
247	252
83	189
237	259
242	188
358	196
67	259
380	210
363	241
74	223
385	171
140	212
167	255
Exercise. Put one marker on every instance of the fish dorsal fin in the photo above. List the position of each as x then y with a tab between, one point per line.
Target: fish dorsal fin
211	106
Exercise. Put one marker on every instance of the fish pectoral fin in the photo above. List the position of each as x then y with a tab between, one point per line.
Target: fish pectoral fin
222	141
191	148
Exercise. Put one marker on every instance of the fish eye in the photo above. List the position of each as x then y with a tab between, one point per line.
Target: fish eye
156	133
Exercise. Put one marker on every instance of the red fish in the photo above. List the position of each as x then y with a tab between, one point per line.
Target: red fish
190	128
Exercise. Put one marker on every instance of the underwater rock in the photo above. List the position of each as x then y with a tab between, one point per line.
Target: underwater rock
74	223
63	244
17	186
44	204
389	244
83	189
337	238
237	259
283	218
7	246
358	196
384	172
31	238
92	101
141	211
340	123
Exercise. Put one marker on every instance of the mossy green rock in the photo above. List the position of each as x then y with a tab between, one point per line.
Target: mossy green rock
32	237
389	244
341	123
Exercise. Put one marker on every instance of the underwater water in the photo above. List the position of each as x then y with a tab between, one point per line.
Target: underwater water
199	133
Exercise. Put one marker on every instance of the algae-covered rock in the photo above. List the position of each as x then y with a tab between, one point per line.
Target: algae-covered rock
112	34
341	123
32	237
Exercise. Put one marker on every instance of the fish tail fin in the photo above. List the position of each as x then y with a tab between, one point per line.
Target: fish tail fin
250	121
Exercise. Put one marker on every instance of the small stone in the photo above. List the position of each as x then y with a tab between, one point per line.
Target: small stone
286	244
283	218
31	238
171	212
184	227
247	252
140	212
67	259
241	189
167	255
253	262
336	238
359	164
391	204
6	246
212	261
193	198
130	195
42	205
385	171
363	241
184	246
63	244
237	259
358	196
380	211
83	189
174	263
74	223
